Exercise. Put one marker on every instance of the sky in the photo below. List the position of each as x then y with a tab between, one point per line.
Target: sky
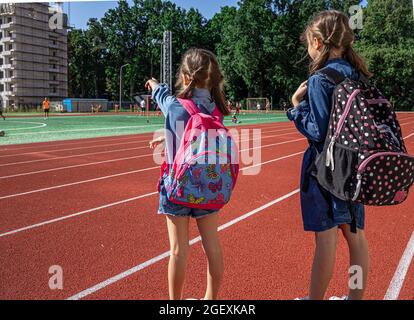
80	12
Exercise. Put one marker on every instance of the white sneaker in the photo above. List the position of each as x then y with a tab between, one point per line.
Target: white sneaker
338	298
304	298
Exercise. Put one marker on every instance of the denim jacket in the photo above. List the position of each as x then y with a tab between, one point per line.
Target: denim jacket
312	115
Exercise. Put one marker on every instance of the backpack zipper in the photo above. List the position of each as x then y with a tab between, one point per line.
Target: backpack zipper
330	162
363	165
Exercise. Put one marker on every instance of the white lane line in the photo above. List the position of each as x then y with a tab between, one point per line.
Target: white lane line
71	149
160	125
82	142
91	129
136	171
123	201
76	214
398	280
73	166
409	136
166	254
404	124
64	143
120	159
111	151
108	145
70	157
77	183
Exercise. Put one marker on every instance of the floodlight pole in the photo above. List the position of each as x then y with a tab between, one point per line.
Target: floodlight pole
120	85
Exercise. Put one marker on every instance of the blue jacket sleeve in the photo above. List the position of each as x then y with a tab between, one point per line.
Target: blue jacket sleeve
161	94
312	115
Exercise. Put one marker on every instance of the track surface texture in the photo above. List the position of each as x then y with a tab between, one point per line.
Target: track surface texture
89	206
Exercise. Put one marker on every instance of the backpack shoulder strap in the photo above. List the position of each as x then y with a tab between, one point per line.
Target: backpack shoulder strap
332	75
192	109
216	113
189	106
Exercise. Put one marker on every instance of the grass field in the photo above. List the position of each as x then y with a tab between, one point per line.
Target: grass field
31	128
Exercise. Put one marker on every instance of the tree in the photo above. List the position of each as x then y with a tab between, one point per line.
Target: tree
387	42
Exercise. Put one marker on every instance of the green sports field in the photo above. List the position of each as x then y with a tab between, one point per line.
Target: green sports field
20	130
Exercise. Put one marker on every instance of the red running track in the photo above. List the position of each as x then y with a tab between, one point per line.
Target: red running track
89	220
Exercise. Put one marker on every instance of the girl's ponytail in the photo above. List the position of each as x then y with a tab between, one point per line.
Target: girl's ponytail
332	27
203	70
357	61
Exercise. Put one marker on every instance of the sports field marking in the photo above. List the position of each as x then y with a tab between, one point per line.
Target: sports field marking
78	183
84	141
111	151
398	280
91	129
404	124
160	125
70	157
135	171
115	160
118	202
409	136
76	214
39	125
166	254
109	145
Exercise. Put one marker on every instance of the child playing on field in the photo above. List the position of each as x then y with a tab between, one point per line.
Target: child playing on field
201	80
329	39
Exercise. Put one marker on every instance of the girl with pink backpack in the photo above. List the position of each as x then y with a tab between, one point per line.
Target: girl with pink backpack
200	170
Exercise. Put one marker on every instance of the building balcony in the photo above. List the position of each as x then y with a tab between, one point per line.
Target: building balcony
6	25
6	39
7	53
7	93
5	79
6	66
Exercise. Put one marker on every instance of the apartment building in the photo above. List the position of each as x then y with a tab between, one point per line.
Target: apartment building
33	56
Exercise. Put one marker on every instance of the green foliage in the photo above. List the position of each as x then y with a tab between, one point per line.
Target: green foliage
257	44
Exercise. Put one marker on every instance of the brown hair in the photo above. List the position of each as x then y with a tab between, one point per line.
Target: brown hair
203	70
332	27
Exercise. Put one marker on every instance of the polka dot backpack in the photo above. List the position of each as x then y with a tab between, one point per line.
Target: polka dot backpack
364	158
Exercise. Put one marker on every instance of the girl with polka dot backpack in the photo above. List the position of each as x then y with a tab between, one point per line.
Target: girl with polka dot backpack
364	159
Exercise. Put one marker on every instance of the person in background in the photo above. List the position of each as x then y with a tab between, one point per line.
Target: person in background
1	109
238	107
143	107
267	105
46	107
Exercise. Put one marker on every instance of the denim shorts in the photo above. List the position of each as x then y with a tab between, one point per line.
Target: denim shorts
321	211
169	208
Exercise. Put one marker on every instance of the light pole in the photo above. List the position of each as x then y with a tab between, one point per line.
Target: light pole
120	85
161	43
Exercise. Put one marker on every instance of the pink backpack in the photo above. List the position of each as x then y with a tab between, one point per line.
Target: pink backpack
205	169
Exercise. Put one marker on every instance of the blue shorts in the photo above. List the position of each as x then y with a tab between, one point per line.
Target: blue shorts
169	208
321	211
